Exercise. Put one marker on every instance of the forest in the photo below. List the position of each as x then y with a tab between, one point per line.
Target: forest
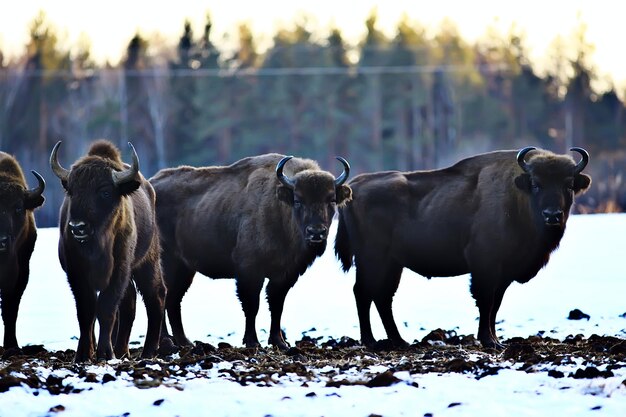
415	100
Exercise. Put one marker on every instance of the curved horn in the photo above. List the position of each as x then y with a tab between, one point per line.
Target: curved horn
583	162
285	180
58	170
37	191
346	171
121	177
521	155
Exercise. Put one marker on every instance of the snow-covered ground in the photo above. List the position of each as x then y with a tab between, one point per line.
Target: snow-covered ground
587	272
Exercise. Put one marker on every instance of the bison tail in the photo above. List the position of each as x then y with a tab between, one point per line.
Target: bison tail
342	244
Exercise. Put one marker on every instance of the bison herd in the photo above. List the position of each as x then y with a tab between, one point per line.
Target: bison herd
497	216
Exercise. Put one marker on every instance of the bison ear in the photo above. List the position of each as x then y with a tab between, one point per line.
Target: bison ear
523	182
344	195
32	202
129	187
285	194
581	183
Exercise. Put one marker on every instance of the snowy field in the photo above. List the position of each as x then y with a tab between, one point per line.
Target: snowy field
587	272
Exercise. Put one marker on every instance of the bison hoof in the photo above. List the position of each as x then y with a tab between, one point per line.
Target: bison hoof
281	345
493	345
182	341
147	354
252	344
83	355
400	343
10	352
387	345
167	346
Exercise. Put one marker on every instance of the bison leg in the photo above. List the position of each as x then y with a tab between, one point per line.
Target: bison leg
484	293
124	321
10	306
378	282
276	293
106	309
178	279
497	301
383	300
86	299
363	298
11	295
149	280
249	291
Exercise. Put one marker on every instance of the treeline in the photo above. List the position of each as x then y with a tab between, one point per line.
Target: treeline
412	101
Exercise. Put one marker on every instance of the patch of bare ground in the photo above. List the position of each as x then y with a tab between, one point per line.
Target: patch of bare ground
331	363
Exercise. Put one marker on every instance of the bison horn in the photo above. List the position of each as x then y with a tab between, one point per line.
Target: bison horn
285	180
583	162
121	177
521	155
58	170
346	172
37	191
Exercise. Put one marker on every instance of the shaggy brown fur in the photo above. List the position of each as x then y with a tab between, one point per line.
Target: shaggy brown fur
108	234
485	216
17	239
240	222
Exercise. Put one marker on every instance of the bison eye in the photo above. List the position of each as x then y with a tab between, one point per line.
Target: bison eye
19	210
297	204
106	194
535	186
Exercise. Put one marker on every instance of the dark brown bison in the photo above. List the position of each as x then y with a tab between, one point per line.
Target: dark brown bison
17	238
247	221
108	234
497	216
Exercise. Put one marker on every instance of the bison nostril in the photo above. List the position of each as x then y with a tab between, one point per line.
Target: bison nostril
79	229
552	216
4	242
316	233
316	230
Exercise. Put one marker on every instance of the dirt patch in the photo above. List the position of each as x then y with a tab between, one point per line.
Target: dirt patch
334	363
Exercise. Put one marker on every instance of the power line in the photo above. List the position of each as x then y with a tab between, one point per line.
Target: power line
261	72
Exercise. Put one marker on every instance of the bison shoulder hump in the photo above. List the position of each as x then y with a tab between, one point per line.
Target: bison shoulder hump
105	149
9	167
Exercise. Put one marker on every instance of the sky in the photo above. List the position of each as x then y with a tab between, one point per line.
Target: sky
585	272
110	25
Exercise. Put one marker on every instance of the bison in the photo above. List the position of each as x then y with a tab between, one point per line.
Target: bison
17	238
262	217
108	235
497	216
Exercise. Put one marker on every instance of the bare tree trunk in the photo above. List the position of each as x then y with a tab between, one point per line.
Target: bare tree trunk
123	109
11	86
157	115
377	122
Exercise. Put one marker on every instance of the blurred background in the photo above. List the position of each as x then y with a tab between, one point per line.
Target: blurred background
398	85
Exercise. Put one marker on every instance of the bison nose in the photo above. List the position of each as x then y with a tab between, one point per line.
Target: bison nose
316	234
552	216
4	243
80	230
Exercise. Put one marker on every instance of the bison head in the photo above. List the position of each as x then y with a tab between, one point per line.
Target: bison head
552	181
94	189
314	196
15	202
